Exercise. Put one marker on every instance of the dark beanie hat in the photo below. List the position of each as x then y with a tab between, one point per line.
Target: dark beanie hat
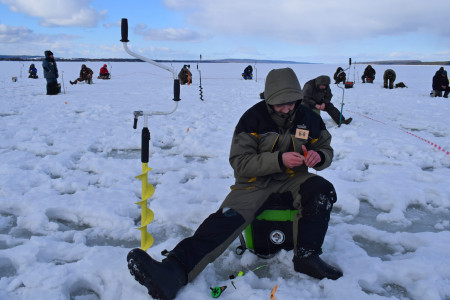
282	86
48	53
323	80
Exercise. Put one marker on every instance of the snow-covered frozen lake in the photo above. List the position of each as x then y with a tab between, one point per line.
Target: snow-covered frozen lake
68	188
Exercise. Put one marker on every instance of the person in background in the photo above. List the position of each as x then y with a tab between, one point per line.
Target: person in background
317	96
248	73
339	76
440	84
33	72
438	72
369	74
389	78
274	146
104	73
85	75
51	73
185	75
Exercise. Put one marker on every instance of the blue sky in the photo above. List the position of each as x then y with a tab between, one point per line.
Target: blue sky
326	31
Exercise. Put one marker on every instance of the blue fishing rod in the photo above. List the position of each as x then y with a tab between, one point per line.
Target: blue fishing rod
346	85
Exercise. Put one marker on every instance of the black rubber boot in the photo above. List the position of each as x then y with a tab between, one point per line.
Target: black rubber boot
335	114
347	121
315	267
318	196
163	279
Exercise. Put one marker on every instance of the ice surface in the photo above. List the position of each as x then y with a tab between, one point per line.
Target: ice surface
68	192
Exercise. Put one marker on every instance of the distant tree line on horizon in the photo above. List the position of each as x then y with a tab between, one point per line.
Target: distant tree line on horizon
230	60
404	62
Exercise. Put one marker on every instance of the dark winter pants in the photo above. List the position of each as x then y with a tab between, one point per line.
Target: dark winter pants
53	88
333	112
389	81
221	228
438	93
340	78
369	79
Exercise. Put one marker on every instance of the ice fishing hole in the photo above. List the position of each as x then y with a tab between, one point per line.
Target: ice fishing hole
7	268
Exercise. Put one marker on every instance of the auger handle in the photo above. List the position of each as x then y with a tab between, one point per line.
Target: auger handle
137	113
145	145
124	26
176	90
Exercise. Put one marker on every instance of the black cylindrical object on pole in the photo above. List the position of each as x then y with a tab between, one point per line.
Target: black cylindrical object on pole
145	145
176	90
124	26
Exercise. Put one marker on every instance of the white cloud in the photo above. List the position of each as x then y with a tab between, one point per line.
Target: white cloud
167	34
58	13
14	34
111	25
305	21
23	41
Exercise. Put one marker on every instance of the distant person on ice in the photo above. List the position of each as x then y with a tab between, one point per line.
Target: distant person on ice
389	78
33	72
369	74
248	73
85	75
265	163
51	73
104	73
317	96
339	76
185	75
440	84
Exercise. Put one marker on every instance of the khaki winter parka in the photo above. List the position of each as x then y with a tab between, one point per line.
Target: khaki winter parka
312	95
85	73
256	156
263	135
389	74
258	144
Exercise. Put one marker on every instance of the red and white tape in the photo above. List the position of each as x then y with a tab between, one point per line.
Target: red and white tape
410	133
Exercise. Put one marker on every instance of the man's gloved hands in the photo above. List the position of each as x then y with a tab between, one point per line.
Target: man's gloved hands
320	106
294	159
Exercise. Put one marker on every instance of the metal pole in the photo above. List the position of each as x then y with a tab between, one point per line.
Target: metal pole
62	77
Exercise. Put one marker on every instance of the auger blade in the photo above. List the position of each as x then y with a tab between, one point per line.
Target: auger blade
147	190
146	239
147	216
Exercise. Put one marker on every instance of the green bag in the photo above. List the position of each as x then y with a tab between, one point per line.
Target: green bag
272	230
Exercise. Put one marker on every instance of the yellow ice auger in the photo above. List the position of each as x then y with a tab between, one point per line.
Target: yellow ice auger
148	189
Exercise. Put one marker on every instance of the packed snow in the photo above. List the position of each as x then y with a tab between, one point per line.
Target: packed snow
68	192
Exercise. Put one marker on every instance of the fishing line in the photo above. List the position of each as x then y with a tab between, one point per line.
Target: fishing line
439	148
